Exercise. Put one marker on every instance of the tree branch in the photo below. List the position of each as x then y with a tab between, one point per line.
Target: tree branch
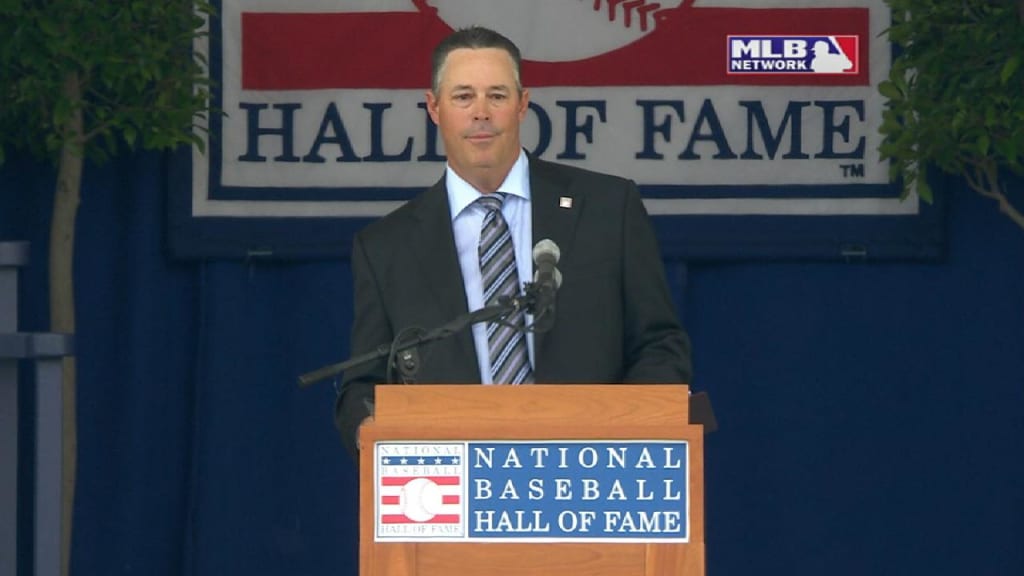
991	188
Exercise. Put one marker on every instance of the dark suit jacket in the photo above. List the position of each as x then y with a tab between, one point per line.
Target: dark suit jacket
614	322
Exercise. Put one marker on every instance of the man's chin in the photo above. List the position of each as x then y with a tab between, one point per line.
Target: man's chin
483	163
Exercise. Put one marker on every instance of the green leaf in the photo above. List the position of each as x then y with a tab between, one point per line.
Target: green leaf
924	190
983	144
1009	68
1007	148
889	89
130	135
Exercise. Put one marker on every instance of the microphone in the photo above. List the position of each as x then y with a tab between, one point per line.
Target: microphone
546	281
545	255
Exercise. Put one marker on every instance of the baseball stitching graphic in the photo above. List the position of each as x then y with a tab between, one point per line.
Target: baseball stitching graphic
546	30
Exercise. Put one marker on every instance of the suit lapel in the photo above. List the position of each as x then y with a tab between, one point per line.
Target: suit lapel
556	209
434	247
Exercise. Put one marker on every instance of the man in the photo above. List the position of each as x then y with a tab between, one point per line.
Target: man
429	261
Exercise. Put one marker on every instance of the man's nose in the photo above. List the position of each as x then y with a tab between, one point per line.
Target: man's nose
481	109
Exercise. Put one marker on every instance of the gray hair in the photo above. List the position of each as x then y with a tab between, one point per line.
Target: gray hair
474	37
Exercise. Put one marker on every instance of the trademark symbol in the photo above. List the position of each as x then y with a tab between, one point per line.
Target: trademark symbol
852	170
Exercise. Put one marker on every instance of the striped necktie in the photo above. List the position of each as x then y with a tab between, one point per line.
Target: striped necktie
510	363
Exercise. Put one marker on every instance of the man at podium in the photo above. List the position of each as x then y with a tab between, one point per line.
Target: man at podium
497	218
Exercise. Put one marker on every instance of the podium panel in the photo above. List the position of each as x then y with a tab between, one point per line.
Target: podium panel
542	480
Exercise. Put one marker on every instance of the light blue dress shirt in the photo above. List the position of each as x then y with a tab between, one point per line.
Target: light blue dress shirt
467	220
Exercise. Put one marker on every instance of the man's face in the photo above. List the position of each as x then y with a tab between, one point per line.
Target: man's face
478	110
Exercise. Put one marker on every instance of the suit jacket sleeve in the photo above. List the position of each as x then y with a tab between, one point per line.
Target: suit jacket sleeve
656	348
370	328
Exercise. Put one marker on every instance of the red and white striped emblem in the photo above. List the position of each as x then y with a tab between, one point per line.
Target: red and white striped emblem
418	485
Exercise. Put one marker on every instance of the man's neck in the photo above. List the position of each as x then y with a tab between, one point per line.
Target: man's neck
486	180
485	183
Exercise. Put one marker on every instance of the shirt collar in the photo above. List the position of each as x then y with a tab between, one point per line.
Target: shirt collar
461	193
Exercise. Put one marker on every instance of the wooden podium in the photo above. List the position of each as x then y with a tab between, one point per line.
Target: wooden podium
429	413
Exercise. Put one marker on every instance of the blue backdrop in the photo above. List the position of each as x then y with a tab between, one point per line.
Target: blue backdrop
870	412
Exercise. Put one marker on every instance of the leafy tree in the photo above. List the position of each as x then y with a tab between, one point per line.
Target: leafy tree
87	79
956	95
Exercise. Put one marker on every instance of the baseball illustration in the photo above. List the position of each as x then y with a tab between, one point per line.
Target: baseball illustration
420	499
549	30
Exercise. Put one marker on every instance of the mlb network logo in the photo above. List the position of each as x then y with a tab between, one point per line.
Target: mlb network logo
775	55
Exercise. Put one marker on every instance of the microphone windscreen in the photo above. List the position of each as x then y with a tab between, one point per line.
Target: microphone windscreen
544	249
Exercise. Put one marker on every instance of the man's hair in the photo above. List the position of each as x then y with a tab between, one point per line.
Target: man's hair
474	37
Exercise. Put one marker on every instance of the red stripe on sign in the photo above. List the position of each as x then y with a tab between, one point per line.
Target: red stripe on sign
453	499
300	51
389	500
403	480
403	519
296	51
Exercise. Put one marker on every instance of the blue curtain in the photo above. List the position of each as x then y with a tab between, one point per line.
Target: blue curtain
870	412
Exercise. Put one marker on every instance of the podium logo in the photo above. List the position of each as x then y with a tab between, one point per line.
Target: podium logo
536	491
419	490
793	55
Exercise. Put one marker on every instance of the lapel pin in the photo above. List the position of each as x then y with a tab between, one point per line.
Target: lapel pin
565	202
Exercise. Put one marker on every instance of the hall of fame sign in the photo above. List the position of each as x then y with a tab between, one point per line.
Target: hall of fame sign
751	127
536	491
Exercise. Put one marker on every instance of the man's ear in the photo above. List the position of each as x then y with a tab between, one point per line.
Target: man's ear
432	106
524	104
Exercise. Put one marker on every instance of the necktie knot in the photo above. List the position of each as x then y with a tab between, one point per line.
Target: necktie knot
491	202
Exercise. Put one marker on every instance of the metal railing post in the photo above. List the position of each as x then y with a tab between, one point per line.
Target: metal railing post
45	351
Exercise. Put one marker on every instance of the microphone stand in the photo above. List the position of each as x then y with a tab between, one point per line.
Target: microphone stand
406	349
